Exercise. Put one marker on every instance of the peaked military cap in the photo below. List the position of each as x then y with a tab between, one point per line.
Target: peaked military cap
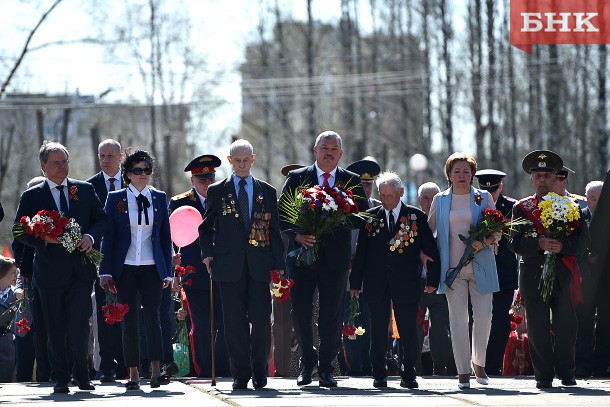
204	166
563	173
542	161
290	167
367	169
489	179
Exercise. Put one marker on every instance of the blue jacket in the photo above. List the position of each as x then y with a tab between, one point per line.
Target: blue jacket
118	235
484	263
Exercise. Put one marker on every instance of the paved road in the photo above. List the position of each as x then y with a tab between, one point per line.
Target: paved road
351	392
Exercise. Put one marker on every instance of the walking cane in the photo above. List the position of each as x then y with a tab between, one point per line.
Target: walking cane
212	330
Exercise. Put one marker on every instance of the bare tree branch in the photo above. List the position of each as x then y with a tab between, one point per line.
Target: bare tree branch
25	49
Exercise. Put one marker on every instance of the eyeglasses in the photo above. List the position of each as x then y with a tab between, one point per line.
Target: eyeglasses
139	171
58	163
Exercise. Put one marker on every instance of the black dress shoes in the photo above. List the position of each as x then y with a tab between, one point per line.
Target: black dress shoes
61	387
378	383
239	384
327	380
85	385
544	384
259	383
132	385
568	381
305	376
164	379
108	377
409	383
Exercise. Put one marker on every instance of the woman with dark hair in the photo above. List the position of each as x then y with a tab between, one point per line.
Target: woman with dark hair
137	260
452	213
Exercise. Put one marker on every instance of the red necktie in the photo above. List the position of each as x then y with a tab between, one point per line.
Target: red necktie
326	176
112	188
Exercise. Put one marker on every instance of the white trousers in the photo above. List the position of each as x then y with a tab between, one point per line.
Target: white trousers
457	299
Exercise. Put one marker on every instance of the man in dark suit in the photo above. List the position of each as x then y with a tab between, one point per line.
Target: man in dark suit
203	172
64	280
109	336
390	246
600	253
508	275
240	244
329	272
354	358
592	340
551	353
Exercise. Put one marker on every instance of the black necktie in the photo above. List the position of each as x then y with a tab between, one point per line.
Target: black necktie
143	205
244	206
63	204
391	223
111	180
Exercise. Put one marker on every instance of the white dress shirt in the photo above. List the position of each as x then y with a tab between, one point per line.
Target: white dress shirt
202	199
140	251
117	183
331	179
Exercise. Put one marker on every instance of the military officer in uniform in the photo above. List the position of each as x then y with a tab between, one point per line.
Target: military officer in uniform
562	187
551	354
203	172
508	275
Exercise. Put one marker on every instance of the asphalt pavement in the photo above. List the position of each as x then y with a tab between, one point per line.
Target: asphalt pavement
352	391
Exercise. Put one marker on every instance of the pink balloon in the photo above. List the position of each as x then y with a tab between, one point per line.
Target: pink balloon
184	224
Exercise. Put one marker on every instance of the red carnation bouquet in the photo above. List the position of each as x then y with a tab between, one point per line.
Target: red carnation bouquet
351	328
281	286
113	310
318	211
56	226
492	221
183	272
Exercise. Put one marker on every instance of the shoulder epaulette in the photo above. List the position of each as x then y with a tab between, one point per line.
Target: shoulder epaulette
182	195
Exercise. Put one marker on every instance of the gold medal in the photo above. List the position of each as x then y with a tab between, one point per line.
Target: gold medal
400	251
392	248
412	240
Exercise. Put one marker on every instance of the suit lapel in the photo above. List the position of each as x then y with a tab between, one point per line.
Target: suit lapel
257	195
72	203
231	195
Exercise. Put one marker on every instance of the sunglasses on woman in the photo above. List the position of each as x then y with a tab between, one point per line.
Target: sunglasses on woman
139	171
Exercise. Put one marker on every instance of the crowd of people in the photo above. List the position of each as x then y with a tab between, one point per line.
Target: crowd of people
400	265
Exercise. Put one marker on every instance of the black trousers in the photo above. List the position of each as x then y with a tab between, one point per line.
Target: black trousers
67	310
247	302
43	365
141	285
109	338
500	329
406	322
552	355
440	339
331	291
199	308
168	324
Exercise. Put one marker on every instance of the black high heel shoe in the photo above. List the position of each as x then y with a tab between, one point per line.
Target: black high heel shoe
155	382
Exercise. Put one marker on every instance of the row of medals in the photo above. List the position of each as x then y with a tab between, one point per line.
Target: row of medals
401	241
259	234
